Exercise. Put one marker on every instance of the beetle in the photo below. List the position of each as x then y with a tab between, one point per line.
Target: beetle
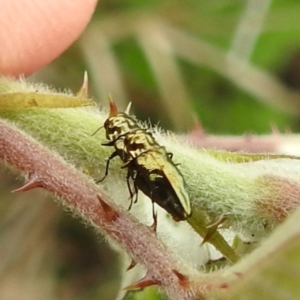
148	164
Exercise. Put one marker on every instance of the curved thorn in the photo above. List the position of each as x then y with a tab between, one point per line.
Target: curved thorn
83	91
110	213
113	110
33	183
132	265
183	280
146	281
127	110
198	128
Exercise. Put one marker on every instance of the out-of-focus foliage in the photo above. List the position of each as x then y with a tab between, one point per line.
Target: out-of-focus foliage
128	52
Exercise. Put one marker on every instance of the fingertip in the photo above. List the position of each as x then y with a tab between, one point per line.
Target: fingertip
34	32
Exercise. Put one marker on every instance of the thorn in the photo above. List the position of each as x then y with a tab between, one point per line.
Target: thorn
144	282
127	110
238	274
32	183
132	265
288	130
83	92
248	137
113	111
274	129
213	227
110	213
218	222
198	128
224	286
208	235
183	280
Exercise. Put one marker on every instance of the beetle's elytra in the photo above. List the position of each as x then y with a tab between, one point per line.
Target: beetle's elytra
148	164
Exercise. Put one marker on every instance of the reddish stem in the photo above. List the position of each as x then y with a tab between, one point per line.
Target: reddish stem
82	195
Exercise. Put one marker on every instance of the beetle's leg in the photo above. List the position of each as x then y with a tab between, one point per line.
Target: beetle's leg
129	188
114	154
109	143
154	215
127	164
136	193
136	189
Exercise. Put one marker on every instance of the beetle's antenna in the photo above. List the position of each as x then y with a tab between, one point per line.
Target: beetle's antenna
97	130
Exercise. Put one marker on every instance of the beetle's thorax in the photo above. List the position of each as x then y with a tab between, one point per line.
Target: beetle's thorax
119	125
138	141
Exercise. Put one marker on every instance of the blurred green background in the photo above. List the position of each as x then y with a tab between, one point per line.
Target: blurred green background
235	65
139	51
